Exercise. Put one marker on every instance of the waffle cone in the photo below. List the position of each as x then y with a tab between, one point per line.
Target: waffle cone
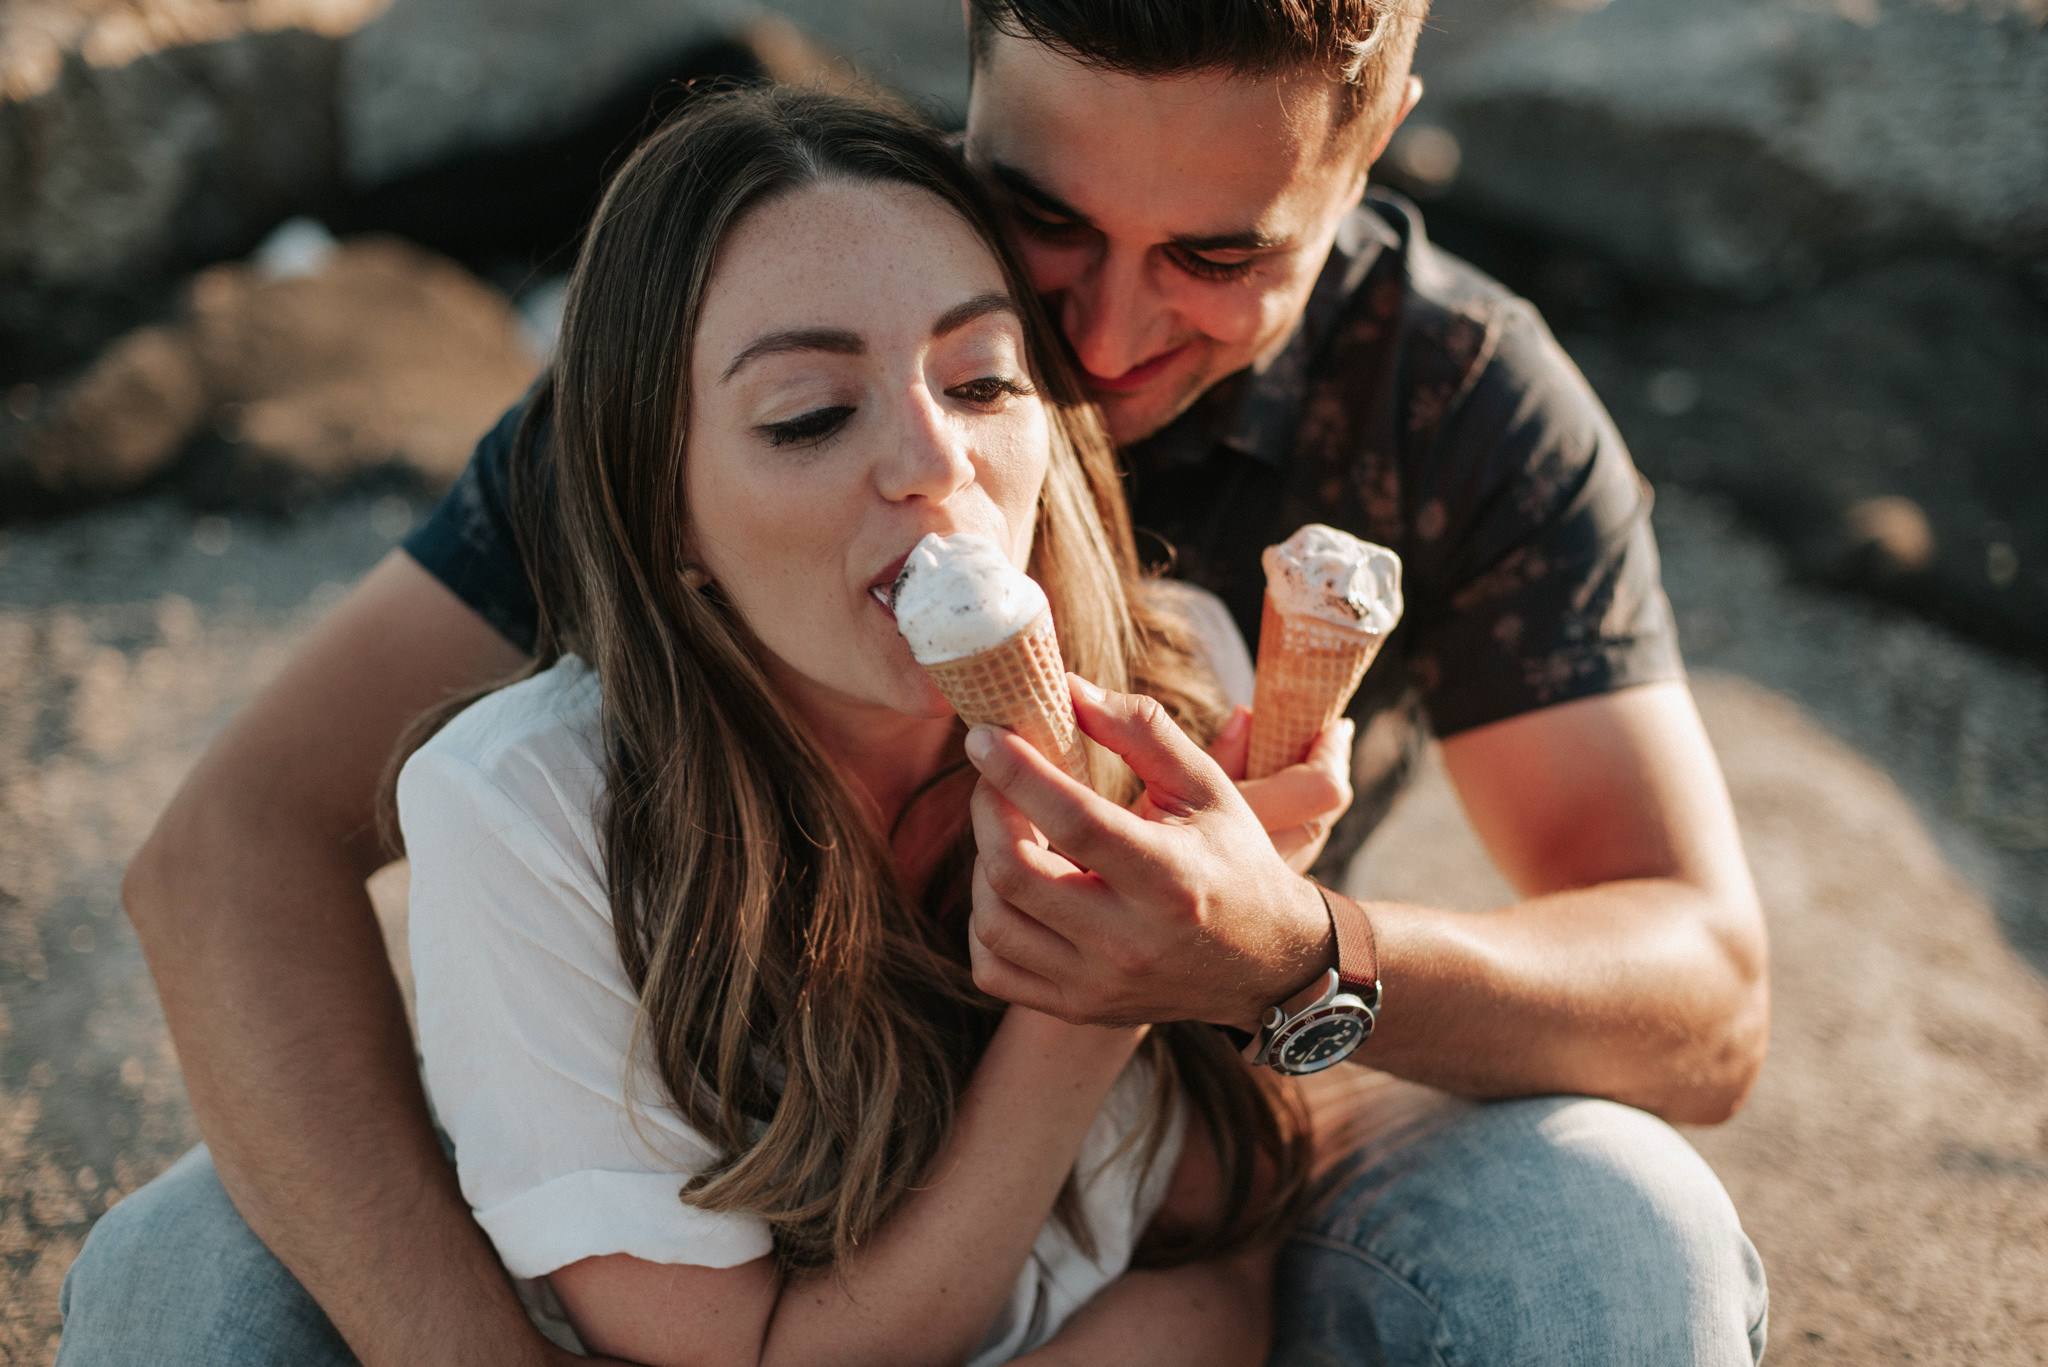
1020	684
1308	670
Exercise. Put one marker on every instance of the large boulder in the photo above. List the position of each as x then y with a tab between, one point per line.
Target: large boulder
385	353
288	376
131	136
141	139
1889	429
1745	145
434	78
429	78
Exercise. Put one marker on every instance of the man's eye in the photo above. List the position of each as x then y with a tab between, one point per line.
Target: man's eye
1050	229
1202	268
990	389
807	428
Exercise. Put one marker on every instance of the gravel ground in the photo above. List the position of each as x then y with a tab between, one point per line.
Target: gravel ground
1892	780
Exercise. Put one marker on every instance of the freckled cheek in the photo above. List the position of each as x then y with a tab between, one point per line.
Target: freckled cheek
1012	466
773	542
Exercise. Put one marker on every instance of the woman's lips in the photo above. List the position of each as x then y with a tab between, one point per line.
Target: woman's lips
883	587
1137	377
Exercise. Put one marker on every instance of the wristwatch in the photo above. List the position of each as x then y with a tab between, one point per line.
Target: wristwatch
1323	1024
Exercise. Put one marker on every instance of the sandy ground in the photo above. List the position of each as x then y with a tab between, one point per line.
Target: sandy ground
1892	781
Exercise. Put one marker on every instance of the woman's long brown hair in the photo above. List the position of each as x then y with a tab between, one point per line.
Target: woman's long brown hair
804	1013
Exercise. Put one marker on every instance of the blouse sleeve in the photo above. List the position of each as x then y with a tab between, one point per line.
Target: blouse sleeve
565	1142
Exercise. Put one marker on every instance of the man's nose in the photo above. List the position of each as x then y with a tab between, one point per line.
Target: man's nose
931	459
1109	313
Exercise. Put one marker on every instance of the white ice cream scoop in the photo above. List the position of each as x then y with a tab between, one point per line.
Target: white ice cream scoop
959	595
1334	577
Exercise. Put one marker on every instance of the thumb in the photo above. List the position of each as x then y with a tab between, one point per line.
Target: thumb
1233	744
1179	777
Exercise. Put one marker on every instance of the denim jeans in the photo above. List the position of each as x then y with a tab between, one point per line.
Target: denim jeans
1552	1232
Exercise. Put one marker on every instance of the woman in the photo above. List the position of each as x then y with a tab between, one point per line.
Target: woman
689	901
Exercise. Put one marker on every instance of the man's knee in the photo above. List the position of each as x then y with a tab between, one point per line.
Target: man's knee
174	1275
1553	1230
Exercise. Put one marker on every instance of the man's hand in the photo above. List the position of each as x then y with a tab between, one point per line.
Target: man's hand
1299	804
1180	908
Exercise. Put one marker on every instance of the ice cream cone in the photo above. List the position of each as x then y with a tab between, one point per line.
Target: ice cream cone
983	631
1330	600
1308	670
1021	684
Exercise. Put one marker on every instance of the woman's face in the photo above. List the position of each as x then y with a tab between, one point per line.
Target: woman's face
858	380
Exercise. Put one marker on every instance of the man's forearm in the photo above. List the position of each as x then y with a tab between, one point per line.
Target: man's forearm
295	1052
249	902
1623	990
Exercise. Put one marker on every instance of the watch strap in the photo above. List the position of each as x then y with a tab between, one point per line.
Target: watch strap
1358	951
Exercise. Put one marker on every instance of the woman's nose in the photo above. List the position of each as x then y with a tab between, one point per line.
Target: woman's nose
931	459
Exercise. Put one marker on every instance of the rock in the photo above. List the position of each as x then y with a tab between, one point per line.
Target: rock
1747	145
387	353
277	383
430	79
913	47
123	421
158	134
1887	429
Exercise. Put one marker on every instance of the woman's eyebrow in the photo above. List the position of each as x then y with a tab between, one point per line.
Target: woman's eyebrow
836	340
980	306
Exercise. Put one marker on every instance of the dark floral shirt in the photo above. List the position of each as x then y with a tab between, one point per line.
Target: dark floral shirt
1419	405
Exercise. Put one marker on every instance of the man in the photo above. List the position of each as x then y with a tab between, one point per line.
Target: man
1185	176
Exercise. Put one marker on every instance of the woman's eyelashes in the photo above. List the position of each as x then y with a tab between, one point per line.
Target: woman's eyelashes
992	391
807	429
813	427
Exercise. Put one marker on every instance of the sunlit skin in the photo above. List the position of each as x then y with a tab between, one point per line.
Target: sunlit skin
1175	225
844	403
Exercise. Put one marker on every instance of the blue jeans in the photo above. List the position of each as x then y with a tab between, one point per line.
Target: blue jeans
1553	1232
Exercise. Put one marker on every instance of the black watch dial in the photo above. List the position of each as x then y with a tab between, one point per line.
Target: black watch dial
1318	1044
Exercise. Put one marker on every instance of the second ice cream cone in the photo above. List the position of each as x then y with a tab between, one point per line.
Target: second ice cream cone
1308	669
1330	600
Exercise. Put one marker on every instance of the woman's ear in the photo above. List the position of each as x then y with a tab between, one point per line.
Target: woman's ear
695	577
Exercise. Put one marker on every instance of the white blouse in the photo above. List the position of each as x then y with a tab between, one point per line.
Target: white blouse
564	1142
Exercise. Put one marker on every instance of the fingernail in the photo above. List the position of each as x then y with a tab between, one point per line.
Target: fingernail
980	741
1088	690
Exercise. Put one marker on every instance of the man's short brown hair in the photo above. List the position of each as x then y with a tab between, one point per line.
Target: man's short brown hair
1366	44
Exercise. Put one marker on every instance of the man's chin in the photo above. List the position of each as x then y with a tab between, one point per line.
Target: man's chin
1133	417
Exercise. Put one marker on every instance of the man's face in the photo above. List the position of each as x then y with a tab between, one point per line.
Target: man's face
1174	224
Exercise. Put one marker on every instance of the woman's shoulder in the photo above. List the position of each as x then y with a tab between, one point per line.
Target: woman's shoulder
552	714
527	756
539	732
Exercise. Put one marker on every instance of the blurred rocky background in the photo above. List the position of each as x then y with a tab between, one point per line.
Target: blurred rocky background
267	267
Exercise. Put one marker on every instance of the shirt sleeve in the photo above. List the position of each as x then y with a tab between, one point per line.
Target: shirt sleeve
566	1147
467	541
1534	573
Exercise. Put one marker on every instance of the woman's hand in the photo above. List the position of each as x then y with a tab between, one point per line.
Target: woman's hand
1299	804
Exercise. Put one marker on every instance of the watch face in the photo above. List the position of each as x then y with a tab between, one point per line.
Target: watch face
1319	1043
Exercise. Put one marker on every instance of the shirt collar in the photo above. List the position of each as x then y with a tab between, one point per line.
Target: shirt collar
1254	411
